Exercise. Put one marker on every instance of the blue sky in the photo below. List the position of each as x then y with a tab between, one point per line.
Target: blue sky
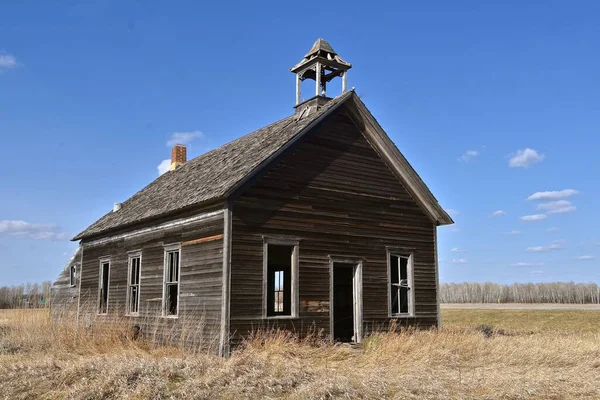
491	103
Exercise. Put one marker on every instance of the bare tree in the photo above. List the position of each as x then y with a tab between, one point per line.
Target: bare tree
489	292
33	295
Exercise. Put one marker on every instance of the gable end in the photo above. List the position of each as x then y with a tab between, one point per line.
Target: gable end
398	164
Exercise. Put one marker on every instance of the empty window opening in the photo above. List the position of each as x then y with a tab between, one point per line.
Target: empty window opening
133	287
104	287
401	284
72	275
279	280
171	288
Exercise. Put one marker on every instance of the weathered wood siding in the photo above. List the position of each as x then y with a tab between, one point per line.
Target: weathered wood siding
63	295
200	281
334	193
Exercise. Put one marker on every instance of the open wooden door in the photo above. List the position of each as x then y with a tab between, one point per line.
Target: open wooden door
346	301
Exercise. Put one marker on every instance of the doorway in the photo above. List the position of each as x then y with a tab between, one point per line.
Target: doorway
346	300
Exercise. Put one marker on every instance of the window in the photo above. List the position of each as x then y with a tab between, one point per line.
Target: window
133	284
171	282
103	286
72	275
281	269
401	285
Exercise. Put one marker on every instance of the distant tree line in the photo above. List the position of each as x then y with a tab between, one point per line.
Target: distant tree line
555	292
29	295
37	295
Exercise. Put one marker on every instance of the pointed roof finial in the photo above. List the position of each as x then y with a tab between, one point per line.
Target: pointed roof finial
320	45
321	51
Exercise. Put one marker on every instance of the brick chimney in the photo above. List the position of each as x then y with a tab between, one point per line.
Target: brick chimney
178	156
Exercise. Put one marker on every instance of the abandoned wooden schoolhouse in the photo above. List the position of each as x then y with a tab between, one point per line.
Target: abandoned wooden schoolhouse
316	221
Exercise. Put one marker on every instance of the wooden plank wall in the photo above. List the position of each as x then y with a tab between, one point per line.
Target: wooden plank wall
336	195
200	282
64	296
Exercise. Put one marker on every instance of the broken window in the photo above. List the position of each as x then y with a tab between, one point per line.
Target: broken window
103	286
72	275
171	287
133	285
279	280
401	284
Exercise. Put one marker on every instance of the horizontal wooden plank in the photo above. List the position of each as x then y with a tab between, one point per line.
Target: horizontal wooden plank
200	277
203	240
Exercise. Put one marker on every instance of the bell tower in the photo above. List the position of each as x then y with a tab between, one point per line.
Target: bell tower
320	64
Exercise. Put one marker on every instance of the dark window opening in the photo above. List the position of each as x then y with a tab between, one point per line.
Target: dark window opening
171	307
279	280
134	285
400	284
104	283
171	282
72	275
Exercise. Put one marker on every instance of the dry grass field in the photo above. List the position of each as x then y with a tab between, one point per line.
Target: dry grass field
517	355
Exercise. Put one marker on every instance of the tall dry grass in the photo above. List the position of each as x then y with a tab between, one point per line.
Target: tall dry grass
457	362
32	331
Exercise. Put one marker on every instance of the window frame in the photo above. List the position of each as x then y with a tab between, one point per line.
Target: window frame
130	256
295	269
102	261
171	249
410	256
73	275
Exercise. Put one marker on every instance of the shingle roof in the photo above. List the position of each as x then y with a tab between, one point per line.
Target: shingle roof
207	177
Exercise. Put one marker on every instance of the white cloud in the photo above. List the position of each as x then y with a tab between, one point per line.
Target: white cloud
553	205
27	230
183	137
497	213
459	261
513	232
563	210
455	250
527	264
557	244
7	62
553	194
553	229
557	207
585	258
534	217
163	167
468	155
452	212
537	272
525	158
538	248
47	235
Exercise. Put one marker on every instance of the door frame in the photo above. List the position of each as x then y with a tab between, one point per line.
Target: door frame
357	295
